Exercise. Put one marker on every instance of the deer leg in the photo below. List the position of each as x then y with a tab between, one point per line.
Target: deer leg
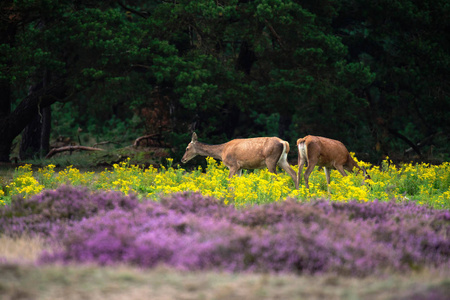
301	164
308	172
341	170
233	171
327	174
285	166
272	167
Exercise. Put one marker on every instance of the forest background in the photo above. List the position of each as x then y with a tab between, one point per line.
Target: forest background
373	74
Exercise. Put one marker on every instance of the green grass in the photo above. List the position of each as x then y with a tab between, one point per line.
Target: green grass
89	282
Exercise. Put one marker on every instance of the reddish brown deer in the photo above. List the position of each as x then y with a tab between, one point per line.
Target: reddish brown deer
326	153
252	153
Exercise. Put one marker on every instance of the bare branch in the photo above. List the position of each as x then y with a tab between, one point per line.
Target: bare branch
424	142
406	140
275	34
156	136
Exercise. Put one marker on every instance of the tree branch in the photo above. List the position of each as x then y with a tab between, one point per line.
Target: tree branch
424	142
144	14
275	34
406	140
28	107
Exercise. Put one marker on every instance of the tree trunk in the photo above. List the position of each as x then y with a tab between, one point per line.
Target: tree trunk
7	37
13	124
5	98
5	110
36	136
246	58
5	145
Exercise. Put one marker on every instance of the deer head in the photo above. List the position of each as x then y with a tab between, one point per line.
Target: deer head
191	150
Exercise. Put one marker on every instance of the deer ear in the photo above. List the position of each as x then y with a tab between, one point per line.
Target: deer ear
194	137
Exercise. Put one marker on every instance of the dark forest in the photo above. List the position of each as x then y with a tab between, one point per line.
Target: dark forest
373	74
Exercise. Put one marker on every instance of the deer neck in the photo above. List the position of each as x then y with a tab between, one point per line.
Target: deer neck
354	167
215	151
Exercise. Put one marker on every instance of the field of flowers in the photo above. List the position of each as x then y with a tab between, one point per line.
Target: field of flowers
396	223
423	184
189	231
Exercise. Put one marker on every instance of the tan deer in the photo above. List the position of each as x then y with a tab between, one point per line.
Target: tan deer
238	154
326	153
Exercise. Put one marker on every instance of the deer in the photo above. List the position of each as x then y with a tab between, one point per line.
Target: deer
326	153
250	153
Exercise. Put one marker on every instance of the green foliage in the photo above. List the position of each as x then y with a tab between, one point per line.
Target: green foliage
356	71
269	124
403	43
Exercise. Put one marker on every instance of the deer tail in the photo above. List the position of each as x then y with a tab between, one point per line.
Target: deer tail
284	152
302	150
286	148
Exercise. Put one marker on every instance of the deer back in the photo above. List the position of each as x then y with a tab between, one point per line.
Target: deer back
327	152
252	153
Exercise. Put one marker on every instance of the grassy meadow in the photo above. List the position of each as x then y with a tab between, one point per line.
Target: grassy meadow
91	282
169	233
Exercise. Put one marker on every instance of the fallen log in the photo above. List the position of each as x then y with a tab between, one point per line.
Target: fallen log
71	148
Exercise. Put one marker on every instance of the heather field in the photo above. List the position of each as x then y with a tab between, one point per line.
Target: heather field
175	234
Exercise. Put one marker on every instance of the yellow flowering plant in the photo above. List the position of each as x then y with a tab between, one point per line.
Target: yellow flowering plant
73	176
426	184
24	183
46	176
2	195
123	177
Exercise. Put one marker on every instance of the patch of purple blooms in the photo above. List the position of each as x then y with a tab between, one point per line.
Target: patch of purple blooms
191	232
65	205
